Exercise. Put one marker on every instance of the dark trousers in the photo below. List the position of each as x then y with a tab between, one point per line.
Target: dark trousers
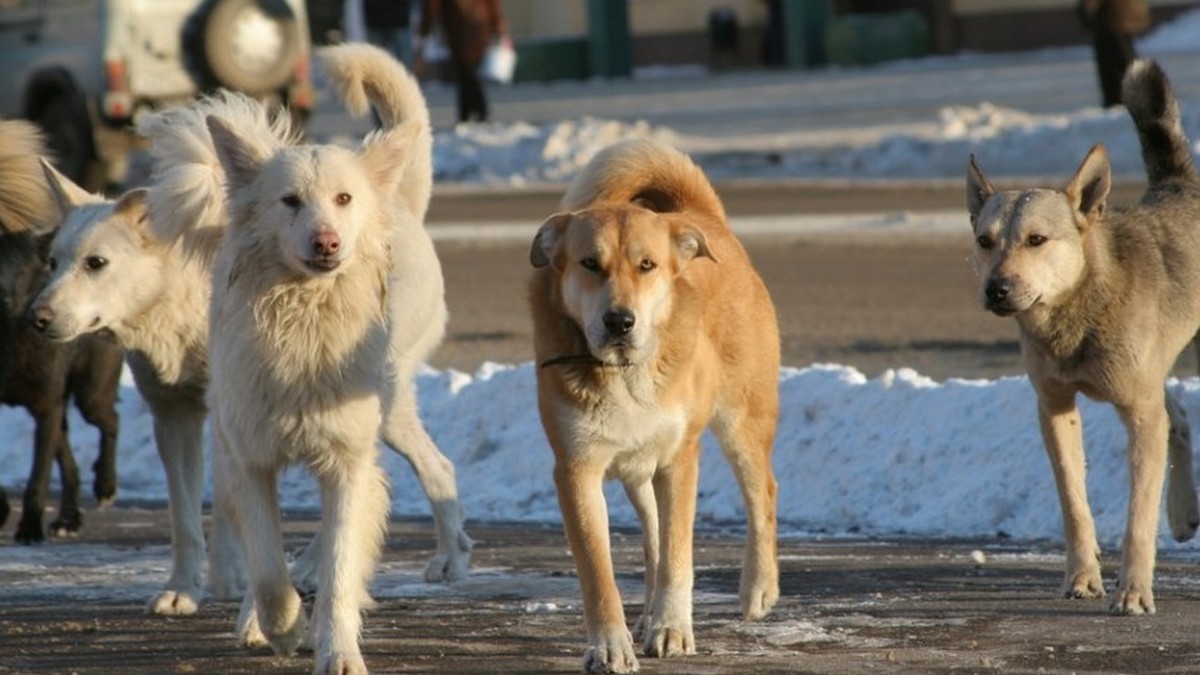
472	104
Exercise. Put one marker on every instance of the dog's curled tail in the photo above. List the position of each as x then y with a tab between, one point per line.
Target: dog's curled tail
1166	151
644	172
187	193
366	77
26	202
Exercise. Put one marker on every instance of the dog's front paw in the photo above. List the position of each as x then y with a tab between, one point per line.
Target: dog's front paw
758	598
1083	585
1132	601
612	653
67	524
453	564
338	663
665	641
173	602
249	633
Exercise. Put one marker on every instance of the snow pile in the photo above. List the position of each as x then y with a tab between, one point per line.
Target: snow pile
518	154
898	454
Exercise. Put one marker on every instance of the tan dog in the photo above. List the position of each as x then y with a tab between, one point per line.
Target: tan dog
1105	301
649	324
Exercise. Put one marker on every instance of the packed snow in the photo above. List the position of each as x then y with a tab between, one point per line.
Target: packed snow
897	454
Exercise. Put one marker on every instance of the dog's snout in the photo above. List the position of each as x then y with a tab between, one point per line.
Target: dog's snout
619	321
41	317
326	242
998	289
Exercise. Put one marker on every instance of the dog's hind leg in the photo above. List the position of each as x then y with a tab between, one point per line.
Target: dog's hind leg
354	510
644	503
746	440
404	433
1148	426
178	433
1183	512
1062	432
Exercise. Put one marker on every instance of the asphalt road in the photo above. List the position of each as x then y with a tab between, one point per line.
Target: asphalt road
849	605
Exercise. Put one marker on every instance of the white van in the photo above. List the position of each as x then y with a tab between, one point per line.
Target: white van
83	69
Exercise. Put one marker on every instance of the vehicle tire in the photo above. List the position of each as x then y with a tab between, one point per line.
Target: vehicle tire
69	136
246	45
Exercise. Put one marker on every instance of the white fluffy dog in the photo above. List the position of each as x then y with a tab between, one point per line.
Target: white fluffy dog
141	267
325	279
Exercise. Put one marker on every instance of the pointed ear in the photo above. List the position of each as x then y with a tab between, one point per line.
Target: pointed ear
1088	190
133	205
690	243
239	160
979	189
387	155
547	240
67	195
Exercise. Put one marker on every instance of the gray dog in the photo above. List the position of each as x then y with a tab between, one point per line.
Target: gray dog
1105	300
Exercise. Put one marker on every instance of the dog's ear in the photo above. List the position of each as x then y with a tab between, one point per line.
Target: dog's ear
67	195
132	208
691	243
979	188
238	158
547	239
1088	190
387	155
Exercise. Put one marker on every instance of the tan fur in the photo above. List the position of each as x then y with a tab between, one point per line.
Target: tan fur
25	200
1105	300
702	349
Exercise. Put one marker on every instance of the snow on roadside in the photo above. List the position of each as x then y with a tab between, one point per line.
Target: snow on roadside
897	454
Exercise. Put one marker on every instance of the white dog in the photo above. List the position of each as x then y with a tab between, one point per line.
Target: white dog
141	267
325	277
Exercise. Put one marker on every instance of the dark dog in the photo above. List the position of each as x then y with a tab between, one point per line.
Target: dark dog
42	376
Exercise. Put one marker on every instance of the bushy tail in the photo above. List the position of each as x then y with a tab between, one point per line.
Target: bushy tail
366	76
187	194
1166	151
26	202
647	172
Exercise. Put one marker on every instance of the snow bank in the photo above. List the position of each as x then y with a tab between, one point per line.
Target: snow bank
898	454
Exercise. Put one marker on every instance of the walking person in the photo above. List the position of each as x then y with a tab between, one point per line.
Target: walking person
1113	24
469	27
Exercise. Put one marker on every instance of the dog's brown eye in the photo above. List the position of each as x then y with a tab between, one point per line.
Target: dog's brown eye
590	264
1036	240
342	199
94	263
647	265
291	201
984	242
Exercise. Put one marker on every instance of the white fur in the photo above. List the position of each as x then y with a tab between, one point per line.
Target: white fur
154	295
313	353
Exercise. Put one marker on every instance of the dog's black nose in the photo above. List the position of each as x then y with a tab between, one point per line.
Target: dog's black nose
40	317
619	321
998	289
